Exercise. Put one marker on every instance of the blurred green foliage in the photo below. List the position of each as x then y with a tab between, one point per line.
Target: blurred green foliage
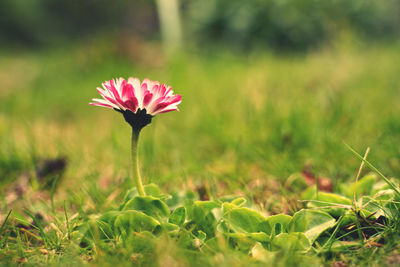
45	21
283	24
292	24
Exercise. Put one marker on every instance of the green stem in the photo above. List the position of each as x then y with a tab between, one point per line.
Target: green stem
135	162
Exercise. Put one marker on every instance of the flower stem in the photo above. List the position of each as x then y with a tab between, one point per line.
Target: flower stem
135	161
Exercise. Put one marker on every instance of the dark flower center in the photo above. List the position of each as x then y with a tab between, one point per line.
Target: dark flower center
137	120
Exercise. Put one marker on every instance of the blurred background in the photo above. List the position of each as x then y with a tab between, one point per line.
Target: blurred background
270	88
278	24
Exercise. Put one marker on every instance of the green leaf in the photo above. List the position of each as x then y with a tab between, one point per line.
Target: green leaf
202	208
291	241
275	224
178	216
381	204
206	205
364	186
132	220
178	199
311	222
202	217
335	204
349	217
150	189
239	201
333	198
241	220
259	237
149	205
242	241
166	226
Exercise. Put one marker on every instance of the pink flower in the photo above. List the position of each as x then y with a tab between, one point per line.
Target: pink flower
137	101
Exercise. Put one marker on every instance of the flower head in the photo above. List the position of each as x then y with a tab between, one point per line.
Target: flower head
137	101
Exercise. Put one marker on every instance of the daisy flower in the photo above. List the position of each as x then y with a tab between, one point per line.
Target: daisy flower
139	102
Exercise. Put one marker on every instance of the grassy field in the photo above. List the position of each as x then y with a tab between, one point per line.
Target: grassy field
246	124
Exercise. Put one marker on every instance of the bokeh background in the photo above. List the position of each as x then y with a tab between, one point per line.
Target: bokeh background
270	88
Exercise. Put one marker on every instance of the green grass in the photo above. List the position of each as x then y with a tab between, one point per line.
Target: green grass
247	123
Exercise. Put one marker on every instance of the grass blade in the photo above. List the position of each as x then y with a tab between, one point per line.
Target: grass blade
38	224
4	223
372	167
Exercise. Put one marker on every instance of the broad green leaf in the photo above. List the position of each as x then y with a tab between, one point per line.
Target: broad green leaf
242	220
207	205
109	216
332	199
275	224
178	216
202	218
165	226
132	220
259	237
381	204
296	182
311	222
348	218
291	241
239	201
309	193
241	241
364	186
149	205
184	239
178	199
150	189
202	208
379	186
335	204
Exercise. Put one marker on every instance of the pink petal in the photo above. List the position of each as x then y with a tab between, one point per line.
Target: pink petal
160	106
101	105
127	91
101	92
147	98
162	89
131	105
115	102
143	90
114	91
168	110
175	98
